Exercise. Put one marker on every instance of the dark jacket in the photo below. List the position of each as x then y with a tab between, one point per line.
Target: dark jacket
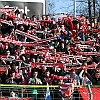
94	80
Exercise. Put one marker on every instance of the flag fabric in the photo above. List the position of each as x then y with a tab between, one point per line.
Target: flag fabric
85	95
48	97
67	89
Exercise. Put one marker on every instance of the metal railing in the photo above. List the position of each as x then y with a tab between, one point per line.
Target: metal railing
29	92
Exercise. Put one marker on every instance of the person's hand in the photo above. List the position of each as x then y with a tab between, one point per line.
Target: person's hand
9	67
85	69
12	78
4	61
38	81
22	77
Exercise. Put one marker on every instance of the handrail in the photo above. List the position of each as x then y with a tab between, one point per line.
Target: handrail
45	86
41	86
42	89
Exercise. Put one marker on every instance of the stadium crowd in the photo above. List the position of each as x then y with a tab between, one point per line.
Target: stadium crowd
40	49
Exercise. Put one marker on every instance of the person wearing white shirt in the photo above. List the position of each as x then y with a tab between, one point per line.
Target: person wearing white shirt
84	78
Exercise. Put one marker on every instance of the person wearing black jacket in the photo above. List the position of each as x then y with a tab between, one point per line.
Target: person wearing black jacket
96	79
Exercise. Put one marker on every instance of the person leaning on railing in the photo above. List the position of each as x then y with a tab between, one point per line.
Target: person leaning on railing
14	80
35	81
47	78
75	77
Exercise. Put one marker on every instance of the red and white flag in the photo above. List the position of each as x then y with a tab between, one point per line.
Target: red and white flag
67	89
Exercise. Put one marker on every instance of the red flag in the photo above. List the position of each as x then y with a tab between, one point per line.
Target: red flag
67	89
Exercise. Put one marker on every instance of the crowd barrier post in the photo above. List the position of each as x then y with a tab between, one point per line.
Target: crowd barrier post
22	93
90	92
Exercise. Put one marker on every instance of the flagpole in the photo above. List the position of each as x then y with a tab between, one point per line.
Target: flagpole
48	97
74	8
46	6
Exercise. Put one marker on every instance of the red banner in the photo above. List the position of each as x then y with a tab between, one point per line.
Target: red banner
61	65
86	95
12	98
27	35
89	53
2	69
62	58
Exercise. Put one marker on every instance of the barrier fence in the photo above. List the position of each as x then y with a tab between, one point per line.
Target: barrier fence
29	92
